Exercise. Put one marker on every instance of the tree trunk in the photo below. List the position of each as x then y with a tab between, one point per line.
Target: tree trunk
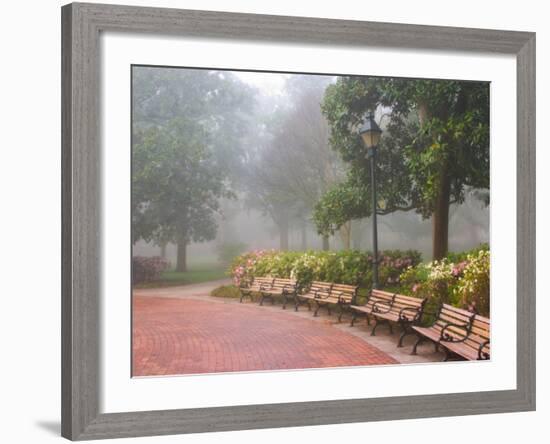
326	245
283	232
163	250
181	264
440	219
440	216
345	234
303	228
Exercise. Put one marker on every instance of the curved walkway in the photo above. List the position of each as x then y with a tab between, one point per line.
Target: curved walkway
174	336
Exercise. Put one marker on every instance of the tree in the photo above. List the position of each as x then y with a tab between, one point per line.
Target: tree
187	125
175	187
435	146
295	165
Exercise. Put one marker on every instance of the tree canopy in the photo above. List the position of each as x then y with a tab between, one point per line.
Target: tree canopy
435	146
187	126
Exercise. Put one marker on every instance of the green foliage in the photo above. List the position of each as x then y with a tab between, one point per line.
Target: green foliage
463	255
226	291
179	119
436	134
474	287
347	267
175	185
461	279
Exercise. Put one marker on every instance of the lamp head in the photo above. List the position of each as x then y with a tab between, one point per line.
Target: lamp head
370	132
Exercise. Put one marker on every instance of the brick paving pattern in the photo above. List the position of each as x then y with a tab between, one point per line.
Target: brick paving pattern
186	336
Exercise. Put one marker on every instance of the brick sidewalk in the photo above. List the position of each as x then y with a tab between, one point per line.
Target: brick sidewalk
184	336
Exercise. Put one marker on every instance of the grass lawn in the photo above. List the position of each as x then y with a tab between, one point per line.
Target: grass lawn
195	274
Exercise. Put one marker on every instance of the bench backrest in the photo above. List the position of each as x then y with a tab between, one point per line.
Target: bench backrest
320	287
479	337
262	281
460	320
407	307
344	292
284	284
380	298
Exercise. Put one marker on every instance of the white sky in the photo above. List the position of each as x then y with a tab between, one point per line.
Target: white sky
268	83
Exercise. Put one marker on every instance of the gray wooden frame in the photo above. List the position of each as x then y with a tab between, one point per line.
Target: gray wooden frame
81	26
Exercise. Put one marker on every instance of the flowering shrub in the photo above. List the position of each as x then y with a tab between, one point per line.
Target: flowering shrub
147	269
464	283
346	267
474	287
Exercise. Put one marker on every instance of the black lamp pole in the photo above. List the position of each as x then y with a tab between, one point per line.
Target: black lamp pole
370	133
372	156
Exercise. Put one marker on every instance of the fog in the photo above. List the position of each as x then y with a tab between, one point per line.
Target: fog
269	146
468	227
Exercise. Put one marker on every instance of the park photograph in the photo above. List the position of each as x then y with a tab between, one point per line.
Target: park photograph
295	221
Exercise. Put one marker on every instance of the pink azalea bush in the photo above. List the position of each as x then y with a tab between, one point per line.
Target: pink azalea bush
347	267
463	283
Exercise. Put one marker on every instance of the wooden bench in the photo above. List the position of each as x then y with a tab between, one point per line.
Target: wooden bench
390	308
459	332
286	288
256	286
327	294
476	346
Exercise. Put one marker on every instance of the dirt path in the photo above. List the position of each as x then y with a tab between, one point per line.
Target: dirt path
182	291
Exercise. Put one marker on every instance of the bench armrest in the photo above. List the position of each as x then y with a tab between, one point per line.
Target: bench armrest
403	317
318	294
376	309
446	337
289	288
266	287
340	295
481	355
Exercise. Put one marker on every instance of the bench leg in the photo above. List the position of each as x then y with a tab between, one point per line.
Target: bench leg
328	309
376	322
405	331
353	318
340	313
418	342
285	300
298	302
368	319
245	294
316	309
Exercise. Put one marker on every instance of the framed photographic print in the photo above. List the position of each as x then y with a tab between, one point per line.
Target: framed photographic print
277	221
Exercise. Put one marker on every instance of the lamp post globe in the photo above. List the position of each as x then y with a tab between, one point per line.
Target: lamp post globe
370	133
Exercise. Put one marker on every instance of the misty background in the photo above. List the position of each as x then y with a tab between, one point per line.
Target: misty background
268	144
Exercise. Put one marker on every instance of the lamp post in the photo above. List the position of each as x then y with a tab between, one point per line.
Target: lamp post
370	133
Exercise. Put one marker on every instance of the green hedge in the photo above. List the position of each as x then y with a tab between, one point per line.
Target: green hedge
345	267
